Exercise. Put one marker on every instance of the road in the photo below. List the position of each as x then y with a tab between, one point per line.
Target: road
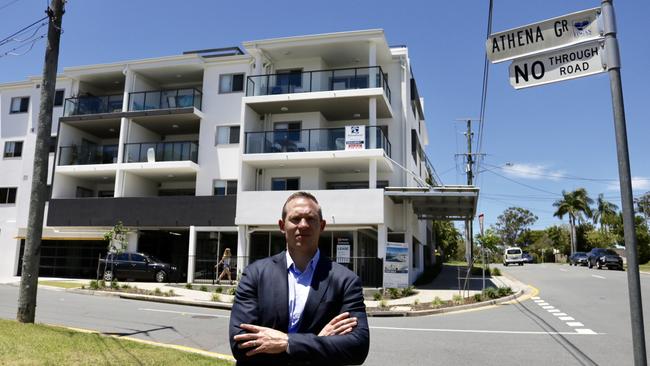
581	317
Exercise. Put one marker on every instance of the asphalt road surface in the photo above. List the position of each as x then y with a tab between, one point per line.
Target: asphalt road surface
579	317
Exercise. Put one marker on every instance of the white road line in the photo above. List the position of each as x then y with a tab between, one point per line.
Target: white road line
184	313
554	311
482	331
597	276
565	318
539	300
563	270
548	307
586	331
575	324
560	314
542	303
535	297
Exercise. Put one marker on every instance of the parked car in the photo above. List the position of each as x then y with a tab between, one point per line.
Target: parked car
136	266
513	255
527	258
601	257
578	258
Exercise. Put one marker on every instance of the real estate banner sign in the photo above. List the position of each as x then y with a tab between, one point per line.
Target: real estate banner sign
355	137
396	265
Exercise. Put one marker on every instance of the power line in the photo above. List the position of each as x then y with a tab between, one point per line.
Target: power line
522	184
10	38
486	73
562	176
8	3
11	52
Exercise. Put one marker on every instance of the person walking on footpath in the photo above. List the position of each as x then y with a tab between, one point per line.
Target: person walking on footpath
299	307
225	261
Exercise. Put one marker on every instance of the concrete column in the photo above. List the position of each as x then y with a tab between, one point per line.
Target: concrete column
372	122
191	255
258	70
372	61
372	174
382	239
242	249
132	241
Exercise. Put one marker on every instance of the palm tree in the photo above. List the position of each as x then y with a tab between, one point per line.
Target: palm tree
643	205
604	212
576	205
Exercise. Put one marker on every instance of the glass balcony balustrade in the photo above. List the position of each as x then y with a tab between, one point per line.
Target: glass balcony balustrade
318	80
92	105
83	155
165	99
161	151
319	139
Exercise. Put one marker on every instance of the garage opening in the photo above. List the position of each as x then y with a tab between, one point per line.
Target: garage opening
170	246
67	258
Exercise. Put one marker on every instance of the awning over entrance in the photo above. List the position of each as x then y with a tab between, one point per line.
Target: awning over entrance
438	203
50	233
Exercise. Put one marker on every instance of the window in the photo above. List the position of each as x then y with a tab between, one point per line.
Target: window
285	184
231	83
53	142
227	135
84	192
7	195
19	105
224	187
13	149
58	98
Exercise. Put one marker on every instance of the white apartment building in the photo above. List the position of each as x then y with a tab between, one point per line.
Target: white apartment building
197	153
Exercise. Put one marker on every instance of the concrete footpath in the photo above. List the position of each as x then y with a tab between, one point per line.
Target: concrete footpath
444	287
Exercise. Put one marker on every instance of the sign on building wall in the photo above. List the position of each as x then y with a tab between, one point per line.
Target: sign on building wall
343	250
355	137
396	265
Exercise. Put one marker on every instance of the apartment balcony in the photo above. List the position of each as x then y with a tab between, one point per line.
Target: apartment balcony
161	151
81	106
164	109
164	211
98	154
337	93
322	147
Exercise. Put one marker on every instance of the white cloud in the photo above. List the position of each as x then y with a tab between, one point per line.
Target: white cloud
532	171
638	184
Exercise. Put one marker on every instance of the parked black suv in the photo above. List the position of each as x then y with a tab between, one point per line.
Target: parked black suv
601	257
136	266
578	258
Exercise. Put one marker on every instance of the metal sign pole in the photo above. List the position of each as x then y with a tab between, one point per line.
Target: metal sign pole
633	281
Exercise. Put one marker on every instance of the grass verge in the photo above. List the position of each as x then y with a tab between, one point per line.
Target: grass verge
62	284
36	344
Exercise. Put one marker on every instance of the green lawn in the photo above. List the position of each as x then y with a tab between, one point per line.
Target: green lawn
644	267
62	284
35	344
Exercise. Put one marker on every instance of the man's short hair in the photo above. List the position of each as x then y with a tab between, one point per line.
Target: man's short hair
297	195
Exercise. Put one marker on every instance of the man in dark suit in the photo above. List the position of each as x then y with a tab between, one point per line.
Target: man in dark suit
298	307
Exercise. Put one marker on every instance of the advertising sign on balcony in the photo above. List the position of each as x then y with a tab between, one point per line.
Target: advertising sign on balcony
396	265
355	138
343	250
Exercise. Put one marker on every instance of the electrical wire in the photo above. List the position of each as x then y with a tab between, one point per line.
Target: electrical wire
484	90
562	176
12	52
10	37
8	3
521	184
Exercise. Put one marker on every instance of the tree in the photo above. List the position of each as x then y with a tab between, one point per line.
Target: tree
576	205
512	223
605	213
32	254
643	205
529	237
489	241
560	237
642	236
447	238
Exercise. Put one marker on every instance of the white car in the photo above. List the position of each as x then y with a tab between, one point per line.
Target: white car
513	255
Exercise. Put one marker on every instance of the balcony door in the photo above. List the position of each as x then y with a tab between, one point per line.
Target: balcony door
286	136
288	81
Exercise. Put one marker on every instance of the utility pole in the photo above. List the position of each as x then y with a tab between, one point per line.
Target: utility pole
32	255
633	280
469	170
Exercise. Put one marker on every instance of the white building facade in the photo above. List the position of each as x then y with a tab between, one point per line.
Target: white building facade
197	153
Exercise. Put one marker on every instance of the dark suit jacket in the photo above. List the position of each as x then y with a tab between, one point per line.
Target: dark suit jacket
262	298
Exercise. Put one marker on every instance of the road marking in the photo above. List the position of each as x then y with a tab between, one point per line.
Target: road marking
575	324
548	307
535	297
542	304
554	311
586	331
597	276
484	331
563	270
565	318
185	313
538	301
560	314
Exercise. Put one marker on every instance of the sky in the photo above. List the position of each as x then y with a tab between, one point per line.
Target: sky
537	141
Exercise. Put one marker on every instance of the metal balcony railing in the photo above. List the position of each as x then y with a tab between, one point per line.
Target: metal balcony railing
83	155
161	151
165	99
92	105
317	139
318	80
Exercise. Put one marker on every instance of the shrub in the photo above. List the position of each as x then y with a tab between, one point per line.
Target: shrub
204	288
216	297
115	285
478	297
188	286
437	302
504	291
490	293
171	293
218	290
496	272
416	302
408	291
394	293
157	291
377	296
232	291
93	285
101	284
457	299
125	286
83	287
383	304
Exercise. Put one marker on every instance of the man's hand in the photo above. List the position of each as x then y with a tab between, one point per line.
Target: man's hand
262	340
339	325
